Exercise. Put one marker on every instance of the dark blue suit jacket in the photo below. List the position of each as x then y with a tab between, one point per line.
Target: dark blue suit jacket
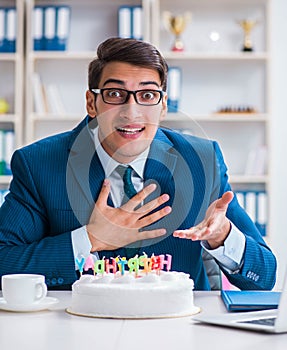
57	180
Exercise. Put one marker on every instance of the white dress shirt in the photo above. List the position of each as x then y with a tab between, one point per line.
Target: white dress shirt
229	256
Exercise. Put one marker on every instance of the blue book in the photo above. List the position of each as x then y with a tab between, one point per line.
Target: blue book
125	21
174	89
11	29
38	28
250	300
62	27
50	40
2	29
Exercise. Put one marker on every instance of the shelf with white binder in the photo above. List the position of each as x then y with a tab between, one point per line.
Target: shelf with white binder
91	22
11	84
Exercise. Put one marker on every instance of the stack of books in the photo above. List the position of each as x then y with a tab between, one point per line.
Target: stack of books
6	150
51	27
8	29
130	22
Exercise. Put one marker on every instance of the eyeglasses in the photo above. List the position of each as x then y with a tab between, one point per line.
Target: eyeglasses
114	96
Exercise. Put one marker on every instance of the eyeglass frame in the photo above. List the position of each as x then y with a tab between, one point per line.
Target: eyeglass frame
129	93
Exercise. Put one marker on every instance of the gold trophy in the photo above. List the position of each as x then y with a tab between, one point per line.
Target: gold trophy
176	24
247	25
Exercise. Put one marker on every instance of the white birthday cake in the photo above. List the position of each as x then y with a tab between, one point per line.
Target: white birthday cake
136	293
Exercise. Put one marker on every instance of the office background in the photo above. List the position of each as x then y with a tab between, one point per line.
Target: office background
30	123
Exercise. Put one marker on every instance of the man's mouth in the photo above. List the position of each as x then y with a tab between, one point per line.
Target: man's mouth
130	131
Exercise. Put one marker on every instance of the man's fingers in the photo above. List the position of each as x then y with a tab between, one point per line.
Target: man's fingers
138	198
151	234
150	219
104	193
224	200
148	207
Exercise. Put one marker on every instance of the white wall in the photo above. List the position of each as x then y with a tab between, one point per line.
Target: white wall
278	207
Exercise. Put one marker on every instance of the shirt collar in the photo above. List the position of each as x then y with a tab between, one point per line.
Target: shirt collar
109	164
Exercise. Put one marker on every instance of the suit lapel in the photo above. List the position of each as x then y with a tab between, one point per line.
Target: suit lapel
160	166
84	168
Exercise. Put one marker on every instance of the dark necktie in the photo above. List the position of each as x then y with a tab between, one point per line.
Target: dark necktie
126	175
130	191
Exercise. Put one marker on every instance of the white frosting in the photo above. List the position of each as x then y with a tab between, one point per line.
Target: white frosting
128	296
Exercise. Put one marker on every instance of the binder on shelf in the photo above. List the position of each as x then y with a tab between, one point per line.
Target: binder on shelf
38	28
50	41
9	137
11	29
256	206
2	153
137	22
174	89
63	27
8	29
262	210
2	29
54	101
125	21
40	105
130	22
256	161
6	150
51	27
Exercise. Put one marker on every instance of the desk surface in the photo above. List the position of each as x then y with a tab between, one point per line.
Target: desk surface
55	329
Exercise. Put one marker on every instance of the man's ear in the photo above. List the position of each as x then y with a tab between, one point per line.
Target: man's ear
91	104
164	108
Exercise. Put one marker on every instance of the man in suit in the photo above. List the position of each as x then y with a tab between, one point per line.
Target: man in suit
67	198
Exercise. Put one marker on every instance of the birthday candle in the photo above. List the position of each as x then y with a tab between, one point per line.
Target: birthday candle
156	262
80	264
89	264
99	266
112	266
133	265
166	262
121	264
146	263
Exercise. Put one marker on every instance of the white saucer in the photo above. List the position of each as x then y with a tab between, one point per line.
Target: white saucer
41	305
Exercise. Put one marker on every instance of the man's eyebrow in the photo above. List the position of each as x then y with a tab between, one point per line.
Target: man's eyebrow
121	82
150	83
117	81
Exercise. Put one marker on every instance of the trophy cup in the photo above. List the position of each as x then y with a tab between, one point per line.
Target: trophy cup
247	26
176	24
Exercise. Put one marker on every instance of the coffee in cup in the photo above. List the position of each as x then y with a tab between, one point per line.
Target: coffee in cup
23	289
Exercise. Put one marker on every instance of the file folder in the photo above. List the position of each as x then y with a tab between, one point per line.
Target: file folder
173	89
38	28
11	30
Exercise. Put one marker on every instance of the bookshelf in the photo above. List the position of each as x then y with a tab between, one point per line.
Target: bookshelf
11	84
91	22
215	73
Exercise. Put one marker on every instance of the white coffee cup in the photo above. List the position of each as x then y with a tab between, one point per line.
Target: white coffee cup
23	289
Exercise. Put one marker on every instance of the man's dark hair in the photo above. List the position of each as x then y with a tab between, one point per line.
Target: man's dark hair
136	52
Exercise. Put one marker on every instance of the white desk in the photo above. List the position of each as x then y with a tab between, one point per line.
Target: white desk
55	329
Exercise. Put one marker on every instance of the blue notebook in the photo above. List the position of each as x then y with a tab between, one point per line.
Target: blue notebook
249	300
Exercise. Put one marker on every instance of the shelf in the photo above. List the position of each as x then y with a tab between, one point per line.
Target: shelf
5	179
228	117
232	56
67	55
55	117
249	179
9	56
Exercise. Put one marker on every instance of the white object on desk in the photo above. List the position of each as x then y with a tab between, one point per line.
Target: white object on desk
44	304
